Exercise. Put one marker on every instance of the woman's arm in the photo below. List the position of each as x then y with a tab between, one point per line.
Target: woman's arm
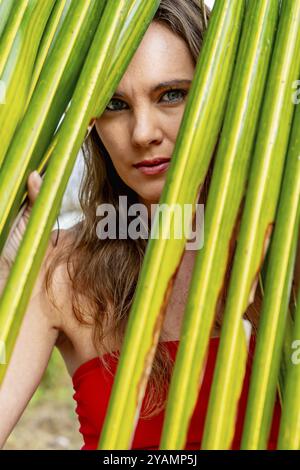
35	342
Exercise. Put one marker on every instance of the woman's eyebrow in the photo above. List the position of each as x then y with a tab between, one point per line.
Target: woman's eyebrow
178	82
181	82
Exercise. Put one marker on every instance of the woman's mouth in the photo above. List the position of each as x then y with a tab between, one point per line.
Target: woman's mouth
153	169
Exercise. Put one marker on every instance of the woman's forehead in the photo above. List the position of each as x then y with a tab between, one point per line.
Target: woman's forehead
162	56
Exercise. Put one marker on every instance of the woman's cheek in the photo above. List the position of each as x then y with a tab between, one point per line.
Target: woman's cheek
176	124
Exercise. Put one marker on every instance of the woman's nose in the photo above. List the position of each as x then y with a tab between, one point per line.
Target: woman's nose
146	129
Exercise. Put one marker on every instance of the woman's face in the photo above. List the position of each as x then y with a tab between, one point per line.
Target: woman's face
143	117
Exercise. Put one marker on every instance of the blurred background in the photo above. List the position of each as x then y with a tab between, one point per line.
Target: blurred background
49	421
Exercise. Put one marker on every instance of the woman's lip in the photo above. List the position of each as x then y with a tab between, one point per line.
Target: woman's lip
154	169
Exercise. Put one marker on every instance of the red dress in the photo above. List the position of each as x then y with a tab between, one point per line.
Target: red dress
93	384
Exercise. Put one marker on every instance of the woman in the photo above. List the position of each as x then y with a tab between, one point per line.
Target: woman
90	282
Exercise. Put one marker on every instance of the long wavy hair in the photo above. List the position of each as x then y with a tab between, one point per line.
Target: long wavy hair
105	272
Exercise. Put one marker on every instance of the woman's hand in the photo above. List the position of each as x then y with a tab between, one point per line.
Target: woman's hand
12	244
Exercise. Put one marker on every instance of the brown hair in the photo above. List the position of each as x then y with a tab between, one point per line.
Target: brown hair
117	262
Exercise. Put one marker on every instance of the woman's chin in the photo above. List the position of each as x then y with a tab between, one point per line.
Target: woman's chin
150	201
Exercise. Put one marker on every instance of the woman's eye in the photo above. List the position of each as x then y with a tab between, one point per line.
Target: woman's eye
113	105
175	95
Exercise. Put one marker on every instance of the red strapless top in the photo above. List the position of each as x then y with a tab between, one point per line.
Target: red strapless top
93	384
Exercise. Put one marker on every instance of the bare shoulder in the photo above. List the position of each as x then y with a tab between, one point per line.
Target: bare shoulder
75	340
58	298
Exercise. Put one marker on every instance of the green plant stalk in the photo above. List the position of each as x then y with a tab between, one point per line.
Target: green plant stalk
194	147
257	221
10	31
287	339
289	431
18	69
92	91
52	94
273	319
5	9
52	25
224	201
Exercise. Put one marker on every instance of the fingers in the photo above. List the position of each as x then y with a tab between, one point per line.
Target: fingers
34	183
